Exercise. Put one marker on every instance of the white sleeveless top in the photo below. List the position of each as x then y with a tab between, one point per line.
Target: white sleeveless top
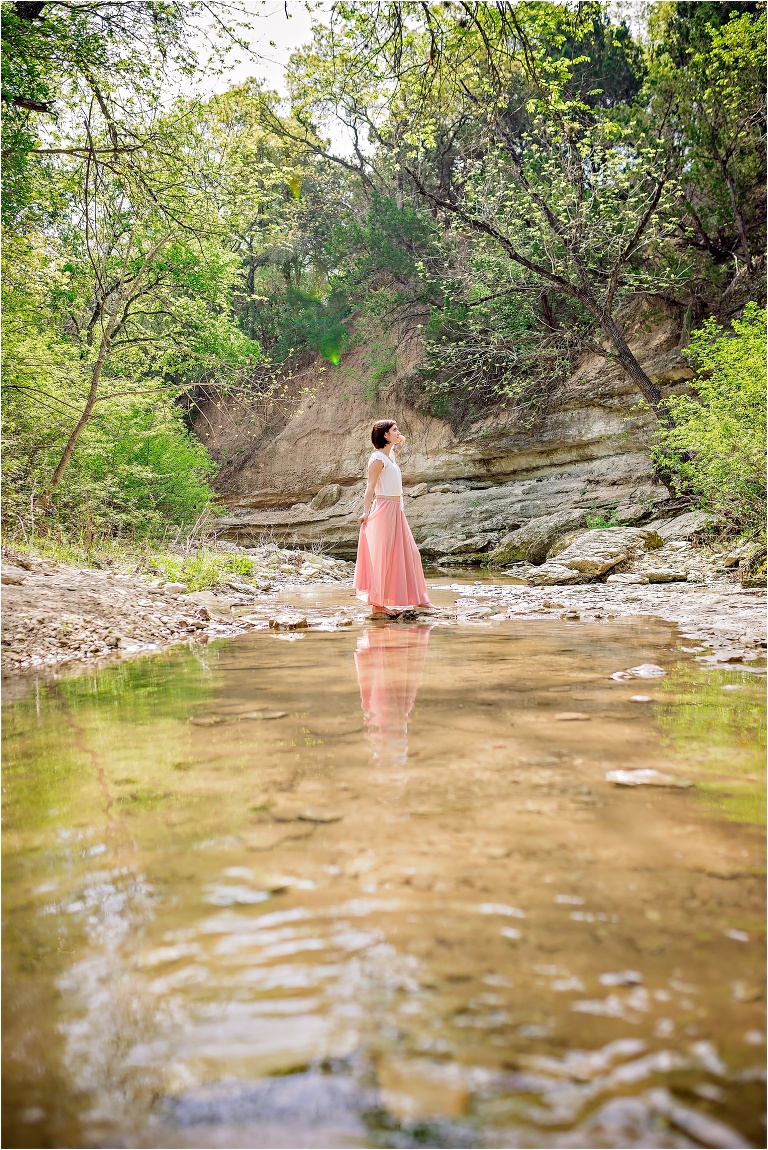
390	482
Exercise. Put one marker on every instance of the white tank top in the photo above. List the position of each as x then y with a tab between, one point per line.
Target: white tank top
390	481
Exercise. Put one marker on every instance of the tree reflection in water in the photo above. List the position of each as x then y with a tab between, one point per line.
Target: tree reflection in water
390	664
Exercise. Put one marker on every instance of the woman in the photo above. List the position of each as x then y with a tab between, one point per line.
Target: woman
388	573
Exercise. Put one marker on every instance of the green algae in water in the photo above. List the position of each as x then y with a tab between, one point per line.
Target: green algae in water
720	734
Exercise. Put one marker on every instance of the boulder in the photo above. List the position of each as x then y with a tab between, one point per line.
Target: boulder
417	490
445	543
752	570
683	526
532	541
592	553
327	496
552	575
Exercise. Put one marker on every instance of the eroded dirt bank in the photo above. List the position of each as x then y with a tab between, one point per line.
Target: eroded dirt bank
56	613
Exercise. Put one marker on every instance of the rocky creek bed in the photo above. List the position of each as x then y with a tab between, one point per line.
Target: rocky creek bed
57	613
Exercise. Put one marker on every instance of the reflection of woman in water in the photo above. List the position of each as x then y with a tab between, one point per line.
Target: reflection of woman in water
390	663
388	571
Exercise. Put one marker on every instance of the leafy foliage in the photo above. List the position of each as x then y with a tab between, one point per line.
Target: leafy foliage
718	442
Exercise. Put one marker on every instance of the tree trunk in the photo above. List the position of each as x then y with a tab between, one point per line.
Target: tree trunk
737	215
45	501
626	358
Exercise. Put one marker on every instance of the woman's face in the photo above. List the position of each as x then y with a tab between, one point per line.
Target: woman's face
393	435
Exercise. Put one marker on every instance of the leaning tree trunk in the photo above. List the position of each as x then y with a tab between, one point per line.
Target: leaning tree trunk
45	501
647	388
650	392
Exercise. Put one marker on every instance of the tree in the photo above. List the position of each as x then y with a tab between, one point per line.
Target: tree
144	285
60	56
708	69
575	194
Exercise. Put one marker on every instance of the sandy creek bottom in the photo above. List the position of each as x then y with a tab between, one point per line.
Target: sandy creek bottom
368	889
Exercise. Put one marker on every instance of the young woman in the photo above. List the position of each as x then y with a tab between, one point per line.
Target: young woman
388	573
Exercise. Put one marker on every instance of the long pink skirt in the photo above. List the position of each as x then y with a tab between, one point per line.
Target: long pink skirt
388	570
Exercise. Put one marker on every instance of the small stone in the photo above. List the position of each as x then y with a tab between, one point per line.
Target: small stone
626	578
621	978
11	578
643	671
694	577
552	575
666	575
552	606
640	699
571	717
290	811
644	777
288	623
174	588
737	935
570	615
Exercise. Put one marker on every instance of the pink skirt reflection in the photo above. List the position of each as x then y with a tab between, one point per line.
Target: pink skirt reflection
388	570
390	664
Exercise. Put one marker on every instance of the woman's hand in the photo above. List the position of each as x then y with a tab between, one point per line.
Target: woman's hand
362	518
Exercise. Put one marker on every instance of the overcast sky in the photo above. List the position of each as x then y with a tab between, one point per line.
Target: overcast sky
278	28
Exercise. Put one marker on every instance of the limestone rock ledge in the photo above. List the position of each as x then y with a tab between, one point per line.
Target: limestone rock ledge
301	481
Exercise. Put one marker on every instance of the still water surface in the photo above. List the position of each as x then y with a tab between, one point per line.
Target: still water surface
369	889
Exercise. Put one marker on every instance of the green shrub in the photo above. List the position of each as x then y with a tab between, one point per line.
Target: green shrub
595	520
202	569
716	447
135	473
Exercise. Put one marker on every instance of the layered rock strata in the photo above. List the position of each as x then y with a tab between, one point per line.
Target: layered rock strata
301	482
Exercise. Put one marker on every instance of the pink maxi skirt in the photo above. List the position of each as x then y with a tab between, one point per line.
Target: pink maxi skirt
388	570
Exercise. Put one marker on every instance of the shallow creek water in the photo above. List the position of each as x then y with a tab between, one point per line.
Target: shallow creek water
369	889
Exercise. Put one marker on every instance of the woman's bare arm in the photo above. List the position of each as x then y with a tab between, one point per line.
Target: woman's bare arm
375	469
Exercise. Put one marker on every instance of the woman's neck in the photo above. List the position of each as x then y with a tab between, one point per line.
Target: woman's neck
387	449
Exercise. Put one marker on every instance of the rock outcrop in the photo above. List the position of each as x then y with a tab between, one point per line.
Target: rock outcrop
498	485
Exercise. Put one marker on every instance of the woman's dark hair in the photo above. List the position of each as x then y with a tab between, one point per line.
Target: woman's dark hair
379	432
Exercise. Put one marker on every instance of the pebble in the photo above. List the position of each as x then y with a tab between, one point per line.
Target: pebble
288	622
571	717
643	671
644	777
